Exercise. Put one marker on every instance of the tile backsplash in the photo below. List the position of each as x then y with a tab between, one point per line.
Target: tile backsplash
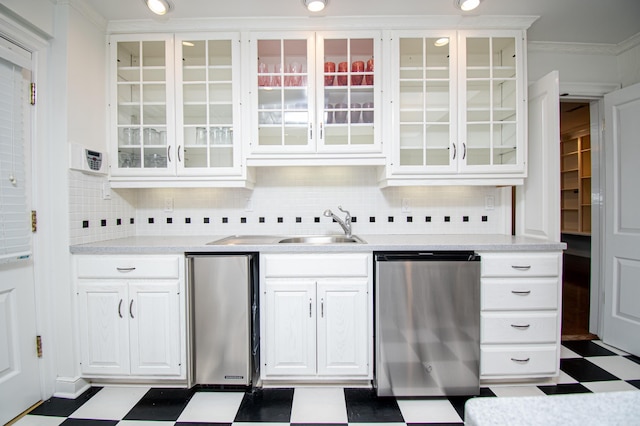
287	200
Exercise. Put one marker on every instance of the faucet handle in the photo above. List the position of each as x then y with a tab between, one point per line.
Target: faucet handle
348	217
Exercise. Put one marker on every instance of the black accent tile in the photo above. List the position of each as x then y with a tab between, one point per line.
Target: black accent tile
131	221
633	358
225	220
584	370
458	401
160	404
427	218
465	218
485	218
298	220
206	220
316	219
364	406
103	222
243	220
409	219
390	219
261	219
635	383
169	220
280	220
447	218
266	405
63	407
563	389
372	219
85	223
187	220
150	220
587	348
89	422
354	219
118	221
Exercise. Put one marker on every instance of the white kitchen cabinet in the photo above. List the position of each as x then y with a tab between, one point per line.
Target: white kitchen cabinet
458	105
317	322
520	315
131	316
315	96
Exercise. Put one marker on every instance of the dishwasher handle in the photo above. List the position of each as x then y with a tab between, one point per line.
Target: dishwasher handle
426	256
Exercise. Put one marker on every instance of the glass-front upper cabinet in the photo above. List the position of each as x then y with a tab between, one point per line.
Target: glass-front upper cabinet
208	107
424	102
492	101
142	117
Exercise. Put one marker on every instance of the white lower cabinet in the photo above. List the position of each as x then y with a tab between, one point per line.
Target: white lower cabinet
131	316
316	325
520	315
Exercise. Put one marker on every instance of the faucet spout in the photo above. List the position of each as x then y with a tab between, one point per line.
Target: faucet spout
344	224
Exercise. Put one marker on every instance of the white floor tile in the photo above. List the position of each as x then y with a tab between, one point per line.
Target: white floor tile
564	378
212	407
619	366
31	420
508	391
428	411
144	423
110	403
261	424
609	386
611	348
319	405
568	353
377	424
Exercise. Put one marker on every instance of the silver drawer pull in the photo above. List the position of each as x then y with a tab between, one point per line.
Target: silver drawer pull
521	327
521	292
521	361
120	309
125	269
521	267
131	309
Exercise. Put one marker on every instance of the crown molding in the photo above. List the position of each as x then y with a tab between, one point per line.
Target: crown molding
86	10
572	48
629	43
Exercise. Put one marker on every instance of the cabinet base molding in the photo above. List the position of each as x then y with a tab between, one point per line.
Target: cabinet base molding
449	181
365	383
70	387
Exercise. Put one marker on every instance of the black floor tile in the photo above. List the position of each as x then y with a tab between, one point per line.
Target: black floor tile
584	370
459	401
564	389
364	406
635	383
161	405
319	424
201	424
435	424
266	405
587	348
89	422
633	358
62	407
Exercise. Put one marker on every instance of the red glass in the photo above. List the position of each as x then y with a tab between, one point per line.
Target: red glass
343	67
329	68
357	67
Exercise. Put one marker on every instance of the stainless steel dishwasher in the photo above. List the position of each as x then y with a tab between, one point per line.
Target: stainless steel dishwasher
223	327
427	323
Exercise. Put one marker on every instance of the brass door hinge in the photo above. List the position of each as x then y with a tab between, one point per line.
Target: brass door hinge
33	93
39	346
34	221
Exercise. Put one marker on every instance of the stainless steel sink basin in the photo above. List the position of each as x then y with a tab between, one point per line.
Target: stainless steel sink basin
247	239
322	239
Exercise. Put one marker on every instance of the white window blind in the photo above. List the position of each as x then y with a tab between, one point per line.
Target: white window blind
15	227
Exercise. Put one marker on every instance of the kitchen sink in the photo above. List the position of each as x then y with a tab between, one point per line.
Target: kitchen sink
247	239
322	239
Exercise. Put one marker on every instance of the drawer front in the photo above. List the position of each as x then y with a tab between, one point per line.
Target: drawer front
497	327
128	267
520	265
516	294
317	265
518	360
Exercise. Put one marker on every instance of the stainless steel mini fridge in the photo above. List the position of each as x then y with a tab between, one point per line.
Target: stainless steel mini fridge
223	317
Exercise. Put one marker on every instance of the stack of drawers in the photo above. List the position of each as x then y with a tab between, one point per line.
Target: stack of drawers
520	315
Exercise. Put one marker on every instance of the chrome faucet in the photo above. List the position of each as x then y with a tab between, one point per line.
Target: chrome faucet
345	224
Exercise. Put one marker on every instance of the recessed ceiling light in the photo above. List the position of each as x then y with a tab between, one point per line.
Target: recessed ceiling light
159	7
466	5
442	41
315	5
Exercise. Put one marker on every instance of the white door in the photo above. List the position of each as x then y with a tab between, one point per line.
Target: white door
622	220
154	319
291	327
104	328
538	200
342	327
19	365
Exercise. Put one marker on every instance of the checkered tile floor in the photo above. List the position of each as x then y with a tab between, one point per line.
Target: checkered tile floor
587	366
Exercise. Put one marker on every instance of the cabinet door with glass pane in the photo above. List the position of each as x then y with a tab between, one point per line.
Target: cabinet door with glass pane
424	103
208	106
142	105
491	102
348	94
282	92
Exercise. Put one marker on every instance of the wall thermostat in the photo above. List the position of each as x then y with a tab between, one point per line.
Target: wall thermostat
87	160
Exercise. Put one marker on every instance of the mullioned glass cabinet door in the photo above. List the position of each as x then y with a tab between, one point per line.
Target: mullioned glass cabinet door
207	101
142	118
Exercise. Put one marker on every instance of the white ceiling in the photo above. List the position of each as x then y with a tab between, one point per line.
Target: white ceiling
581	21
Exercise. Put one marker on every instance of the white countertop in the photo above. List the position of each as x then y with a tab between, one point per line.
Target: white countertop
186	244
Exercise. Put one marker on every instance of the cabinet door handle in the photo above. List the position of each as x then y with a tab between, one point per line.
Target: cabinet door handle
179	149
321	130
310	131
309	308
169	153
125	269
521	361
120	309
521	327
521	292
521	267
131	309
321	308
455	151
464	150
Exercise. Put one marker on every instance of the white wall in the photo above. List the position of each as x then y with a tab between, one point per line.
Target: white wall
38	13
629	66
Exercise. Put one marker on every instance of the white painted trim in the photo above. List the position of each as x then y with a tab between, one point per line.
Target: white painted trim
585	48
629	43
586	90
70	387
